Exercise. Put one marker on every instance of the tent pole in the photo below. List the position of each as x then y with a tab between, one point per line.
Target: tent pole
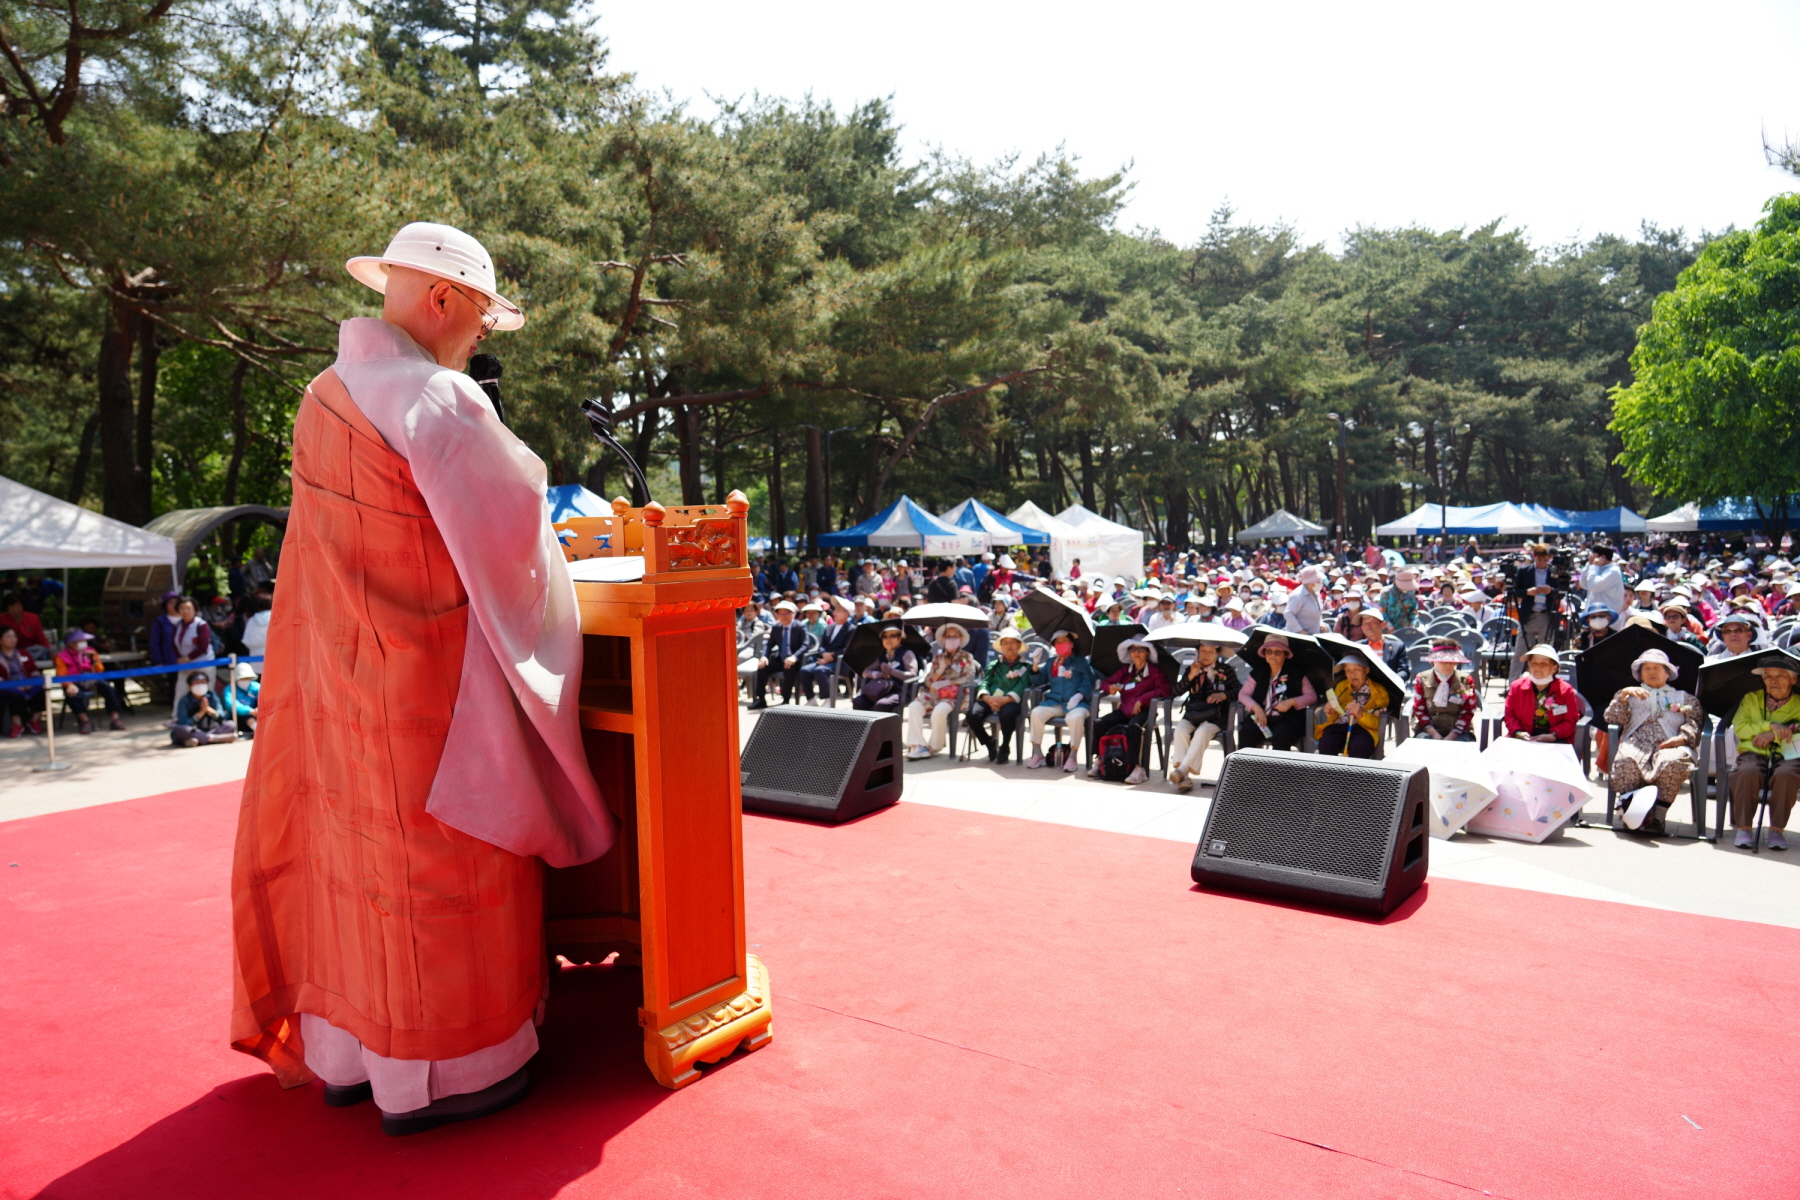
65	628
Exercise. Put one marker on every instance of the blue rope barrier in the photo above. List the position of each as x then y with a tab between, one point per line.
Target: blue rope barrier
15	685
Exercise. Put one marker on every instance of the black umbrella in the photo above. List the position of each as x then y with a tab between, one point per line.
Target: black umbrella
1724	682
1050	613
1107	659
1338	647
1605	667
1306	655
865	644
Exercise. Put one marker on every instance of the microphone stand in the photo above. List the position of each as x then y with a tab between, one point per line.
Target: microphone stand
600	420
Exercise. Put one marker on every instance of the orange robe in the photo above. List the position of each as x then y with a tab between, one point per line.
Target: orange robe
349	900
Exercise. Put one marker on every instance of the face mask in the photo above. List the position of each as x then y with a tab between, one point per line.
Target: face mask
1541	680
952	645
1064	649
1599	622
198	689
1353	605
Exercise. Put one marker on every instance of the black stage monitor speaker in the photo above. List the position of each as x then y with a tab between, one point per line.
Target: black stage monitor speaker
829	763
1345	832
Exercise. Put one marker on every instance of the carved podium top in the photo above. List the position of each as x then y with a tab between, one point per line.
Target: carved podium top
698	541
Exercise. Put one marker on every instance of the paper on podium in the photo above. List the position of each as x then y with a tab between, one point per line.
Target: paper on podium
1461	784
1541	787
626	568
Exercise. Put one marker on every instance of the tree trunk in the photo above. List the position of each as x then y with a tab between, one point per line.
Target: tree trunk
239	436
687	449
84	458
718	427
149	352
816	515
777	510
595	481
1179	517
1084	449
117	460
640	447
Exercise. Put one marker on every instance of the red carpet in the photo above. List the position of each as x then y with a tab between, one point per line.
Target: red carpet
965	1006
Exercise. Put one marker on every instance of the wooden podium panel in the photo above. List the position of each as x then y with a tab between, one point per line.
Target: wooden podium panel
660	722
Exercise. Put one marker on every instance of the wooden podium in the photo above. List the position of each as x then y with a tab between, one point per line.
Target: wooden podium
659	718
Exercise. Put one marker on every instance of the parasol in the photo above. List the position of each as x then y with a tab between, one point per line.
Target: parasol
1107	659
865	645
1461	784
1050	613
1337	647
1724	682
1605	667
1539	788
933	615
1190	635
1309	658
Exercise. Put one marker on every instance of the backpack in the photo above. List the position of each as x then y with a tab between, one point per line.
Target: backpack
1115	757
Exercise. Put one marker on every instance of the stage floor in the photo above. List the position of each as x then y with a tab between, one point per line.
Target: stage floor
966	1005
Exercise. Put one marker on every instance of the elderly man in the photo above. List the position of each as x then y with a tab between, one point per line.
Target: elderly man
1539	604
1373	630
1765	724
419	747
1735	634
786	646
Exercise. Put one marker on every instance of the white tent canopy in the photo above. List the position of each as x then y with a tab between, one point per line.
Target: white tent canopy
39	532
1488	519
1104	547
1281	524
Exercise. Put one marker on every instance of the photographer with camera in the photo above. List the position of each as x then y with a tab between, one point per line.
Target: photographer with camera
1537	597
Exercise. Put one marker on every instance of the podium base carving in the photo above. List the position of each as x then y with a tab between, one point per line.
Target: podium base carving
706	1037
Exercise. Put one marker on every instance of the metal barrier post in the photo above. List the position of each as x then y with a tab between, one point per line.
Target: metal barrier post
50	729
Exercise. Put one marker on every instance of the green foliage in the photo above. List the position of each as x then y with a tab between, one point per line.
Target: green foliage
1714	410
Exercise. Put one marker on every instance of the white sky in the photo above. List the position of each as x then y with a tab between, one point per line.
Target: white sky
1567	119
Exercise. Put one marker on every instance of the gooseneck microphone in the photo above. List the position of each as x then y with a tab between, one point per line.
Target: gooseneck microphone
484	369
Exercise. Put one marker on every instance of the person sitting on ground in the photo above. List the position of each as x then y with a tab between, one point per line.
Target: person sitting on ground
819	674
1352	724
884	680
1068	683
199	719
239	701
1208	683
1445	700
1137	684
78	658
1660	732
1001	696
23	706
25	624
1274	698
952	669
1540	707
1764	725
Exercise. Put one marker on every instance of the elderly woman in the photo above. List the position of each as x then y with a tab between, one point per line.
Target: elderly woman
1068	683
1306	607
78	658
1445	700
1352	724
882	682
952	669
1400	603
1765	725
1540	707
1001	696
1274	699
1661	731
23	706
199	719
1137	684
1208	684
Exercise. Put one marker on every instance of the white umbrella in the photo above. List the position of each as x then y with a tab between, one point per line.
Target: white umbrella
1198	633
1540	787
933	615
1461	784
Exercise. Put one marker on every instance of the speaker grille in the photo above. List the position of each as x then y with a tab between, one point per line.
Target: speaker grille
1337	820
801	755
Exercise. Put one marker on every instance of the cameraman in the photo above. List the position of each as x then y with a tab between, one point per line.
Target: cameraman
1538	602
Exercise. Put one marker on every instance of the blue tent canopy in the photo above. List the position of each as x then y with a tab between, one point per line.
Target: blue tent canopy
1724	515
905	525
573	500
1000	530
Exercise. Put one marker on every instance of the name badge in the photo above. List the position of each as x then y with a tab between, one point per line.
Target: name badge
1558	709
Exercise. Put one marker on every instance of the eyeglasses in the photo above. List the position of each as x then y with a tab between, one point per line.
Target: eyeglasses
489	318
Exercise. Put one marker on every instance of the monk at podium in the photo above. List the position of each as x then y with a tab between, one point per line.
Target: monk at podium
418	756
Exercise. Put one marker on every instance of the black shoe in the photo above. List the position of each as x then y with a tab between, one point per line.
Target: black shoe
756	704
350	1093
1654	826
1002	753
468	1106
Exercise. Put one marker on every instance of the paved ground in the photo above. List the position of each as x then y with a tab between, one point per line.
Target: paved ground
1680	874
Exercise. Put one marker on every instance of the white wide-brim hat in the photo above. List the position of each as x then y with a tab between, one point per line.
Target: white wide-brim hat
441	250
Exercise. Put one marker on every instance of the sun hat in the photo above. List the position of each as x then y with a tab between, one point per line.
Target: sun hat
1273	642
1061	634
1541	650
1006	563
947	626
1009	635
1650	656
1790	667
787	604
446	252
1126	646
1446	652
244	671
77	635
1736	618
